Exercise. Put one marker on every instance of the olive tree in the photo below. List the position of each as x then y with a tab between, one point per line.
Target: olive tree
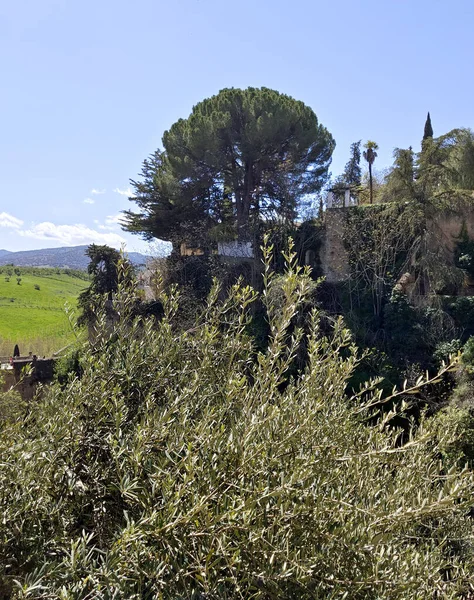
189	464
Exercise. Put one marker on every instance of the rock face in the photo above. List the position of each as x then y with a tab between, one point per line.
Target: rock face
406	283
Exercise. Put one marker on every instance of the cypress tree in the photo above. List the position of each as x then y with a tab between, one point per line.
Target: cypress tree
428	133
352	171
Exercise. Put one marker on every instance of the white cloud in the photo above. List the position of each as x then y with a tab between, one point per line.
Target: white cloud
114	219
72	235
94	191
7	220
88	201
128	192
112	222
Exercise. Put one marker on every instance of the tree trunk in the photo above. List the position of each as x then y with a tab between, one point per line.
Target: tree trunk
243	207
370	182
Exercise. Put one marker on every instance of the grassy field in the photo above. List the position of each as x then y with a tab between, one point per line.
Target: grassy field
32	312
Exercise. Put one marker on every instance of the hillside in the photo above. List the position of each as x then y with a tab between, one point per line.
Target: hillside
72	257
32	312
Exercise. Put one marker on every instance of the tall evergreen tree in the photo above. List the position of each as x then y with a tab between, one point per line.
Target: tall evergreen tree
401	179
352	171
255	151
428	132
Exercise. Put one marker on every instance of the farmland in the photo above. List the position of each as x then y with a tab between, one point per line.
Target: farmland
32	308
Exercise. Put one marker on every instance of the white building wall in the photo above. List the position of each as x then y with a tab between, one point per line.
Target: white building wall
235	249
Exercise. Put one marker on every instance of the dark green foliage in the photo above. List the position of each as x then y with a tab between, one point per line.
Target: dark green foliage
69	365
404	330
464	253
401	181
103	268
445	168
240	155
444	350
352	171
195	273
428	131
104	272
308	240
458	414
468	356
461	310
167	210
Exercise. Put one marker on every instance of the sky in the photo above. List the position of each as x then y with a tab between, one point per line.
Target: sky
89	87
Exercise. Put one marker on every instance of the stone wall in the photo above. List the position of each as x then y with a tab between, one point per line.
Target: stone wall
42	373
334	256
446	228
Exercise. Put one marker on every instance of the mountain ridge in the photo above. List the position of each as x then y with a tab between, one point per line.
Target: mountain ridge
72	257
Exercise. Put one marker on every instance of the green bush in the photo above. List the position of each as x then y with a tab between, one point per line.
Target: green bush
461	309
459	446
180	466
69	365
12	407
446	349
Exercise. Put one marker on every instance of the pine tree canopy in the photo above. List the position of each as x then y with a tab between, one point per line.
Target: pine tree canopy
240	156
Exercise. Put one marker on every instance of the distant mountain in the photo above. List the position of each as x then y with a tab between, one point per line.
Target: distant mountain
72	257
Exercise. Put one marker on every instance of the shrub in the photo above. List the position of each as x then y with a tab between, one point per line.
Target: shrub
69	366
187	464
446	349
11	408
459	446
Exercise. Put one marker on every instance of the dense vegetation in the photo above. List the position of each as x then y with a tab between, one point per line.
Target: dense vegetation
188	464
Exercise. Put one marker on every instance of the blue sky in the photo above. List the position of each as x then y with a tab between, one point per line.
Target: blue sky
89	87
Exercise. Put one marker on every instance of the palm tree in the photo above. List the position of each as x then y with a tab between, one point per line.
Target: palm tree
370	154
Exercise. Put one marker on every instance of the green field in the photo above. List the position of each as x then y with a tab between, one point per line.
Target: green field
33	318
